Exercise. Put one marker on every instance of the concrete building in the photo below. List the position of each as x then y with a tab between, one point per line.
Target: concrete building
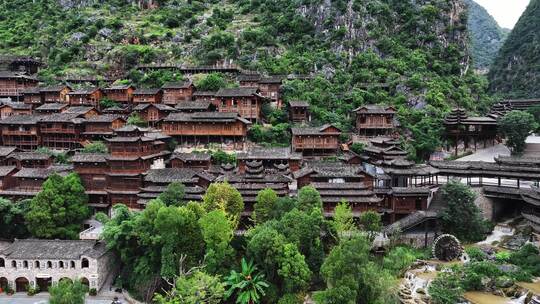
41	263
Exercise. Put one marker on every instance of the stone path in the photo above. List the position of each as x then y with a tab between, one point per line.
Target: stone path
487	154
22	298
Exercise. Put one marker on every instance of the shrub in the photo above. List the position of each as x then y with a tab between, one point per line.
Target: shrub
476	254
92	292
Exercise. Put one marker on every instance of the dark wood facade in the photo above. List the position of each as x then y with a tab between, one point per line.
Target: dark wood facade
299	111
246	101
470	131
21	131
88	97
316	141
176	92
121	94
13	84
375	120
147	96
153	113
201	161
61	131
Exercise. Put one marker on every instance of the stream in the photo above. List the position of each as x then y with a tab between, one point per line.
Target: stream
415	284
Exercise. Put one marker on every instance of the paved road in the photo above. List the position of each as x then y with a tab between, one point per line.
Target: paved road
487	154
24	299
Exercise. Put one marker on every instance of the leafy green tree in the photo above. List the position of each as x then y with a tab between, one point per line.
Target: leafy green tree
265	205
358	147
67	292
309	198
136	120
248	286
351	277
516	126
398	260
370	221
219	157
343	221
12	223
95	147
173	195
195	288
217	231
211	82
446	288
264	246
293	269
461	217
224	197
58	210
106	103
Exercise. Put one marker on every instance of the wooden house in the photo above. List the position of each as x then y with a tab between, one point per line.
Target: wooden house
131	154
248	80
245	101
147	96
157	180
338	182
92	168
299	111
55	94
14	108
5	152
153	112
6	177
176	92
375	120
120	93
316	140
82	111
206	127
20	64
101	126
13	84
50	108
405	201
29	160
201	161
270	88
85	97
62	131
21	131
271	160
32	96
206	96
29	181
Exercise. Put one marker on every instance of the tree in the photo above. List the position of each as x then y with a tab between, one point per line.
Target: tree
136	120
67	292
58	210
195	288
95	147
371	224
293	269
173	195
309	198
351	277
247	285
217	231
343	222
358	147
12	223
516	126
211	82
461	217
225	197
265	205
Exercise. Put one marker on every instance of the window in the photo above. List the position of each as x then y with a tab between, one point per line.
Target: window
85	263
49	264
36	264
25	264
2	262
13	264
61	264
72	264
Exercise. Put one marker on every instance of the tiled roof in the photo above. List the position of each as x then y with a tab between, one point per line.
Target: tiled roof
169	175
84	91
194	105
5	151
104	118
147	91
21	119
276	79
54	89
79	109
177	85
298	104
312	130
62	117
269	153
118	87
52	106
204	93
205	116
5	170
17	105
89	158
376	109
32	249
43	173
192	156
248	77
30	156
237	92
159	106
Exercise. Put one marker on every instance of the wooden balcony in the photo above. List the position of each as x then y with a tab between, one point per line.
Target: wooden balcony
19	133
58	130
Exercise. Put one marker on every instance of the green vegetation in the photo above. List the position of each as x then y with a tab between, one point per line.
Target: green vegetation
136	120
212	82
12	221
247	285
516	69
67	292
173	195
194	288
516	126
95	147
274	135
487	36
58	210
461	217
220	157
